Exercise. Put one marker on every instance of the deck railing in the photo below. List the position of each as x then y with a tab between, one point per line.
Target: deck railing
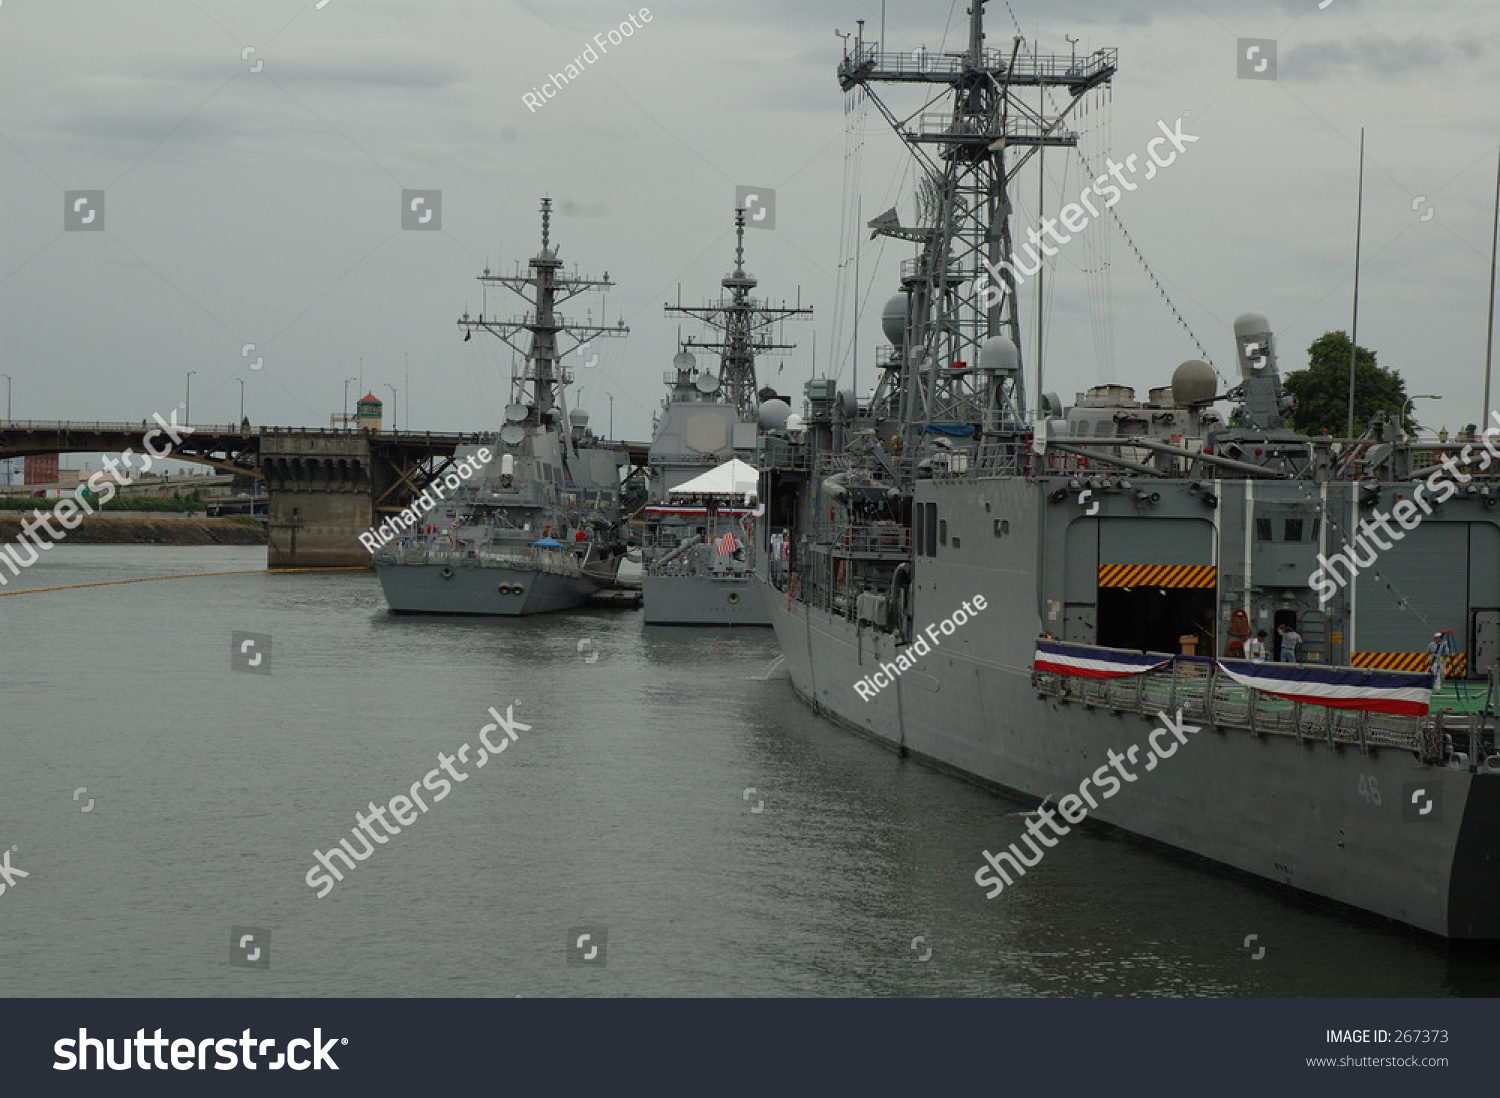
1026	68
1197	686
555	561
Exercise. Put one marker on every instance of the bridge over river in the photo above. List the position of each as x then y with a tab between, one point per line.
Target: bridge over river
326	486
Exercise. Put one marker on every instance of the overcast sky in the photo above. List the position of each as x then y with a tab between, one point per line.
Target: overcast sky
264	207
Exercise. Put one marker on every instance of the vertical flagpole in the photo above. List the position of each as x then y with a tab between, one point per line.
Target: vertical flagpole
1041	271
859	219
1354	324
1489	338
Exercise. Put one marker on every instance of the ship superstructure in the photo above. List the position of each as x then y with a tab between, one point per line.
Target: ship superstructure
1114	556
697	550
539	528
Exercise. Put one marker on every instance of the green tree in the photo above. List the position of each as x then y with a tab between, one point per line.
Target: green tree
1322	390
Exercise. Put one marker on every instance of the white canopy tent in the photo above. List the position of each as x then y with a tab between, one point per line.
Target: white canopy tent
733	478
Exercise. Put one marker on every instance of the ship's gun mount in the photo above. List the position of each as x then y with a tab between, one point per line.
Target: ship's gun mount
1263	404
1257	434
695	539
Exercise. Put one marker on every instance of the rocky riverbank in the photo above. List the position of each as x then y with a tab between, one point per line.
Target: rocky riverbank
98	530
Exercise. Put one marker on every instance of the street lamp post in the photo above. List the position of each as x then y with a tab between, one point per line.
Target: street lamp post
611	415
392	388
10	468
346	398
1401	422
242	398
187	403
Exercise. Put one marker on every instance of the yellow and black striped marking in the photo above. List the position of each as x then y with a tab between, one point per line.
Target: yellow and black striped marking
1410	661
1158	575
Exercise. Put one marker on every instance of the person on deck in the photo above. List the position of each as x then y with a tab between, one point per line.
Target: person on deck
1291	641
1435	653
1255	648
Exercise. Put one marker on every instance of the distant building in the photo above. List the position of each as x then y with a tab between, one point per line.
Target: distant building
367	413
41	469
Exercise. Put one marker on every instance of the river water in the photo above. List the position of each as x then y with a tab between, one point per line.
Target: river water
626	811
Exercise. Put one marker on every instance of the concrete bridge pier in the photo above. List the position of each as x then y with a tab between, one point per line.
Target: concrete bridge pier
320	499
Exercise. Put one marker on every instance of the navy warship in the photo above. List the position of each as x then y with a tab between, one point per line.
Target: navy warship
538	528
1022	598
696	547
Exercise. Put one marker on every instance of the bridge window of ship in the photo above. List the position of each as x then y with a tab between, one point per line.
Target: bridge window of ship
931	528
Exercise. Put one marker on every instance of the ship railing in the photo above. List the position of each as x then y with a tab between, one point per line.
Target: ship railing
1197	686
1066	463
1410	459
916	268
864	537
776	453
998	459
555	561
1027	66
948	124
1426	457
915	62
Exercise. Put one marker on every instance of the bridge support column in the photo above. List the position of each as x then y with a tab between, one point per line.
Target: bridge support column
319	499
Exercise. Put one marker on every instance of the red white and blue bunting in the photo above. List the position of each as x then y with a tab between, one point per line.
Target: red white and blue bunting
1093	663
1396	692
1338	687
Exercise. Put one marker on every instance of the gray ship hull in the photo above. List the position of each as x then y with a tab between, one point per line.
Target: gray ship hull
503	592
1271	806
703	600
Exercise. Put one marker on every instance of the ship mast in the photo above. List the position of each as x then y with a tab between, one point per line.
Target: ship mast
541	388
935	376
742	320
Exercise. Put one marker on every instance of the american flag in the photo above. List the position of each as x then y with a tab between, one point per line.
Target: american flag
727	544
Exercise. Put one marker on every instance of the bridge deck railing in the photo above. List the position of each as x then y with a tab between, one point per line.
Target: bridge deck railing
110	427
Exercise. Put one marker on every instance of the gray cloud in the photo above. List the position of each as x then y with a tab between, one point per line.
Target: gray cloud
1382	56
271	222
